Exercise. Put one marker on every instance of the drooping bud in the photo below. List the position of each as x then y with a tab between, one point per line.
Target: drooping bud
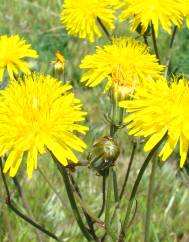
103	154
59	62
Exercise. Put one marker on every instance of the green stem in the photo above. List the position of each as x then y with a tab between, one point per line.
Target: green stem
155	43
113	119
145	39
170	51
51	186
115	186
135	188
104	29
128	170
26	205
72	201
90	217
21	215
108	204
149	202
103	195
6	222
108	197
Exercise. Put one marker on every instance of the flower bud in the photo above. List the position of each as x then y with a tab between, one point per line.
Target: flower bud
59	62
103	154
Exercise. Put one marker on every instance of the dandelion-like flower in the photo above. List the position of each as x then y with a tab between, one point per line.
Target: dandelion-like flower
124	64
164	12
80	17
158	108
38	113
12	51
186	12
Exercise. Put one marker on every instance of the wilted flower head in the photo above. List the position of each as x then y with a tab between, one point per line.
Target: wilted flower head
12	51
123	63
59	62
80	17
164	12
158	108
39	113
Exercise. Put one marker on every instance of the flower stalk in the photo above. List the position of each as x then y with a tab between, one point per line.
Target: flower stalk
20	214
170	51
73	204
135	189
128	170
155	42
104	29
149	201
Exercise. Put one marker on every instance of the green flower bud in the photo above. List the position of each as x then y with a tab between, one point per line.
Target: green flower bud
103	154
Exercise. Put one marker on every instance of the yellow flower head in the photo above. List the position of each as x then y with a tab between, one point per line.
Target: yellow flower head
59	62
158	108
12	51
186	12
80	17
39	113
164	12
124	63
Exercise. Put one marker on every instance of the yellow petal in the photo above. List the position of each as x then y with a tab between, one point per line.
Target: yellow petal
183	150
57	150
154	139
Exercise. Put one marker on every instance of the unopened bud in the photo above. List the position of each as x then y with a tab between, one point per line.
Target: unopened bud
104	153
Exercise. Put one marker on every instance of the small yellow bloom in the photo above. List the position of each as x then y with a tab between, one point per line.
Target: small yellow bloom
12	51
125	63
186	12
158	108
164	12
38	113
80	17
59	62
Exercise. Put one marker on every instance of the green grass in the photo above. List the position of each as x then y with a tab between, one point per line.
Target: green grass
39	22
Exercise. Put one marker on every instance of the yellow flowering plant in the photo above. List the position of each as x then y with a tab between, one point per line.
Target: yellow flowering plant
13	49
157	12
41	117
80	17
38	113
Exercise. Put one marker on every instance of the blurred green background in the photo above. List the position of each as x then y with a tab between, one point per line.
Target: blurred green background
39	23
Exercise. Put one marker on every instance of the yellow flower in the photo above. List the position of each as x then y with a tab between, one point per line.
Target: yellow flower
186	12
157	108
164	12
80	17
39	113
123	64
59	62
12	50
